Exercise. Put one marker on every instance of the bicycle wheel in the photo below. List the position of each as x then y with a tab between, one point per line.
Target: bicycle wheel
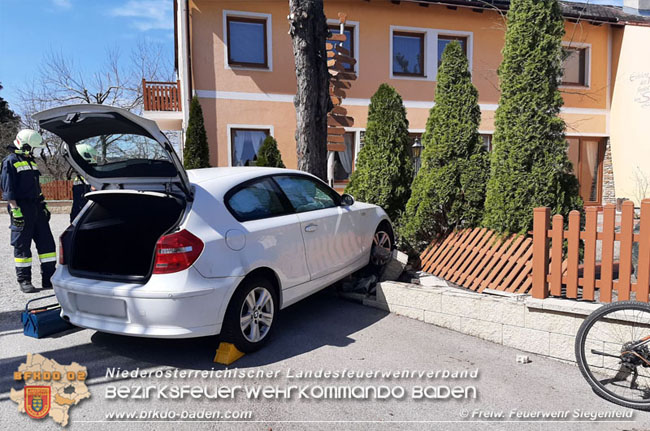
613	354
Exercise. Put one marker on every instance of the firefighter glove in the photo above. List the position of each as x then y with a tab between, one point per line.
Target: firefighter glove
17	218
46	211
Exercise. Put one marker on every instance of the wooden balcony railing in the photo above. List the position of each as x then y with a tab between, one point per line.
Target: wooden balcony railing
161	96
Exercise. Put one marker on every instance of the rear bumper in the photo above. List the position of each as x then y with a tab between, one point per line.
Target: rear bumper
179	305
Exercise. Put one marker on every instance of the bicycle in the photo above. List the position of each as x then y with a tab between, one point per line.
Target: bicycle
613	353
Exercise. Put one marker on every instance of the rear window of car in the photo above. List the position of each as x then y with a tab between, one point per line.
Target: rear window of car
108	145
257	200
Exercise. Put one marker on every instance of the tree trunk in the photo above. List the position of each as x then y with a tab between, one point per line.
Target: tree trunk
308	33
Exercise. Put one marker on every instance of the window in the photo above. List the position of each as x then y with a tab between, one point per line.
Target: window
247	42
117	155
416	52
348	30
344	160
586	155
487	142
443	41
362	140
306	194
257	200
574	67
244	145
408	54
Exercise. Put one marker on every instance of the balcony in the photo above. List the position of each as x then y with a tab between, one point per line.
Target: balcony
162	103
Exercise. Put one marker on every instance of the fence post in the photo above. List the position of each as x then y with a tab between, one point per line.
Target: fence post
627	241
145	98
607	260
178	95
541	224
643	278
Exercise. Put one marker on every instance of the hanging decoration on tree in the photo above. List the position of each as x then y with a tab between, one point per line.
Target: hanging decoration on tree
338	57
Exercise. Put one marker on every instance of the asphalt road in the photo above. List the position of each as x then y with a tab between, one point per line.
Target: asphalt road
323	332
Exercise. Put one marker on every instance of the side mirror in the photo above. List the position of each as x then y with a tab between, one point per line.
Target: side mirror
347	200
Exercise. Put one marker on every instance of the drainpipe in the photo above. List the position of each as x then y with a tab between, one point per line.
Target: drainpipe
184	69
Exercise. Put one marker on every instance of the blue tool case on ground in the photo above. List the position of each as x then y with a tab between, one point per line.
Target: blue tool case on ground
40	322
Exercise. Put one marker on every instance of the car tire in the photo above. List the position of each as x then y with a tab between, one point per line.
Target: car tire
262	315
384	232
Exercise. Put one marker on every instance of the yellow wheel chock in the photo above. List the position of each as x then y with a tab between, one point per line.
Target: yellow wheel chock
227	353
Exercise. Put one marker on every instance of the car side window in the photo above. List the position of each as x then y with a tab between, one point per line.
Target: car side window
257	200
305	194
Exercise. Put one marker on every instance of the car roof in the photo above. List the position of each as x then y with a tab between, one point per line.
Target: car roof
242	173
219	180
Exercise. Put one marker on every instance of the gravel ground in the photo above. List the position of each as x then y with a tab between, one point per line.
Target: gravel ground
322	332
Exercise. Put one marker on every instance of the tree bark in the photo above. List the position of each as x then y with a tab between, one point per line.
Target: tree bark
308	30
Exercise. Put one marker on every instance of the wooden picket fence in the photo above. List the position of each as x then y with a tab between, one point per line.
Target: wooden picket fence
557	272
479	259
57	190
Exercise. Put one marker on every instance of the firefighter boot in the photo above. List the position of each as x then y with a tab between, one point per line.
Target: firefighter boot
26	286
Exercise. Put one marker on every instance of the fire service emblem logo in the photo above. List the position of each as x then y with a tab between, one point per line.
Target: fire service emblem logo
37	401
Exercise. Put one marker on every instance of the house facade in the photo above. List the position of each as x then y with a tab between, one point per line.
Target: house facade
236	56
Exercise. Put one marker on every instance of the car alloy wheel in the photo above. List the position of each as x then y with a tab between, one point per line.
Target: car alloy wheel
256	315
381	239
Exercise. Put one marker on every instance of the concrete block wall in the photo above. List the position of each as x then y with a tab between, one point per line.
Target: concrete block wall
546	327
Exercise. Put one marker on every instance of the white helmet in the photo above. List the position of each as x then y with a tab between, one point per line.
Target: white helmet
29	137
87	152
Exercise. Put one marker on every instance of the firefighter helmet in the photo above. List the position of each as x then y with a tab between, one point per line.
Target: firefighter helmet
88	153
28	137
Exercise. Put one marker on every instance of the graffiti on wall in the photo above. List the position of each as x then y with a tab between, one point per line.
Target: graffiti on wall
642	91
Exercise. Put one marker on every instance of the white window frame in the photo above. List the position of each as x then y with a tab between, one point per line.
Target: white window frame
430	50
357	139
356	46
269	41
490	139
229	128
579	45
357	147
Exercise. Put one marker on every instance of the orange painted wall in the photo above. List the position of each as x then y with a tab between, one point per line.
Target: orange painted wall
375	19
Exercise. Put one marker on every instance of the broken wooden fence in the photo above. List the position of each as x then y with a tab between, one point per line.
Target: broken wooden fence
479	259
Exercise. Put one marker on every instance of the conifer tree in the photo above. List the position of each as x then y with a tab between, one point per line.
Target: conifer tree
196	153
449	189
529	163
384	170
268	155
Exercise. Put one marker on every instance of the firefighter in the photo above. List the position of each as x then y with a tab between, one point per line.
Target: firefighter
80	187
28	211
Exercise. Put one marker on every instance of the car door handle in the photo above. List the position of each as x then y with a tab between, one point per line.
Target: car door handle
311	227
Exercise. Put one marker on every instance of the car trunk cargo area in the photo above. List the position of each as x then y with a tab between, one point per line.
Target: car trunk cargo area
116	238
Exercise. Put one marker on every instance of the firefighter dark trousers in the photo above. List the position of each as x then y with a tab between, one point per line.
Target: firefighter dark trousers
37	229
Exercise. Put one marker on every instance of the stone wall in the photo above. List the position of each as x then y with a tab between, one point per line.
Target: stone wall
609	192
543	326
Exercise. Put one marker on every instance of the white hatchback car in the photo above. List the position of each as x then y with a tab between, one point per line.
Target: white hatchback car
161	252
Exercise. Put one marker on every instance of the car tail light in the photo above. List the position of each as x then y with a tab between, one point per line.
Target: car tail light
62	240
176	252
61	256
